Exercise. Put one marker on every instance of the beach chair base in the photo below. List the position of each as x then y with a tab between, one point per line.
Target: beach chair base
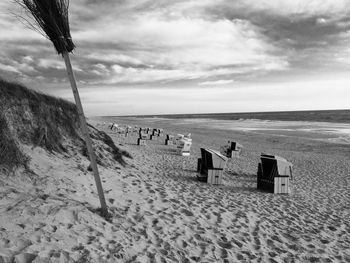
202	178
185	153
281	185
235	154
215	176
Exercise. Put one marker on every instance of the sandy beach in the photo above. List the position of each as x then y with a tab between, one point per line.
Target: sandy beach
87	87
161	213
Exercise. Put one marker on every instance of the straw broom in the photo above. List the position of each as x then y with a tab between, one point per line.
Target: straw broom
51	17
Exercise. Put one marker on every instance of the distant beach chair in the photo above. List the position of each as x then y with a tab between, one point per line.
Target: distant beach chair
113	127
232	149
149	130
142	138
274	174
178	137
155	134
184	146
169	140
210	166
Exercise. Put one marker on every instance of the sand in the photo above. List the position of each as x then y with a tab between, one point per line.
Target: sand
161	213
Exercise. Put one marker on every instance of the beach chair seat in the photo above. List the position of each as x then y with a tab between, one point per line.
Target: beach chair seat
274	174
211	166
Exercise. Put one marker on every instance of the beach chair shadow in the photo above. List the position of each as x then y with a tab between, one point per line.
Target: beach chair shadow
241	176
130	143
190	170
190	178
240	189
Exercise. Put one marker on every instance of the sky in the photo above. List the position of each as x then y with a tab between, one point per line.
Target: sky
184	56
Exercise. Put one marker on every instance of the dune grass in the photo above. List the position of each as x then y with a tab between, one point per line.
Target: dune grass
35	119
10	154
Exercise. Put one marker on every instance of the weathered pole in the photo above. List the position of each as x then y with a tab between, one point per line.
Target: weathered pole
86	134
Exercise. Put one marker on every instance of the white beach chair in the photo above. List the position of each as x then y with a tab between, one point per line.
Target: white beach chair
184	146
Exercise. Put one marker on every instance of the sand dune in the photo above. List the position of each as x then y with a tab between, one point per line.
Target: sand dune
161	213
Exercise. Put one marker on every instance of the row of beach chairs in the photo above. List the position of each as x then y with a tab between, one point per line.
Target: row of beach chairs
146	133
274	172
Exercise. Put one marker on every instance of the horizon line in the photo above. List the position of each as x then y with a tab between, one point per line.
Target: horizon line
213	113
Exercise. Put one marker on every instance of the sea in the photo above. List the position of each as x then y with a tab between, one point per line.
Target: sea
327	125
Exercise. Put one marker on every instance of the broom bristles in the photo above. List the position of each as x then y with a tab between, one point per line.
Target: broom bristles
51	16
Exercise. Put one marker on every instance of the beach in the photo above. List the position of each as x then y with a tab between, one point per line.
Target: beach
160	212
174	131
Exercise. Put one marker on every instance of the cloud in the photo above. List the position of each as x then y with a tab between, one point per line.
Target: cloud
217	82
51	63
161	40
9	68
300	7
161	49
183	43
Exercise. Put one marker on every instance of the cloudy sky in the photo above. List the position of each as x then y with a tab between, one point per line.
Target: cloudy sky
186	56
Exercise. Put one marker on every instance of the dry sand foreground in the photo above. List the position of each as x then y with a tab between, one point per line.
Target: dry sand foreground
160	213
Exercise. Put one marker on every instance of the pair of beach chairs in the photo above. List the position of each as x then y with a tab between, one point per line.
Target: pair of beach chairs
274	172
148	134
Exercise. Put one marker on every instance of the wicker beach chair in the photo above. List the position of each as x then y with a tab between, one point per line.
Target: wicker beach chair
210	166
274	174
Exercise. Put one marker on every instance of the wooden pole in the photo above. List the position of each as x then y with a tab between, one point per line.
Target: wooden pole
85	130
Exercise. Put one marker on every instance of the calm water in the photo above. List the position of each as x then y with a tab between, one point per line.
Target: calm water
336	116
337	132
